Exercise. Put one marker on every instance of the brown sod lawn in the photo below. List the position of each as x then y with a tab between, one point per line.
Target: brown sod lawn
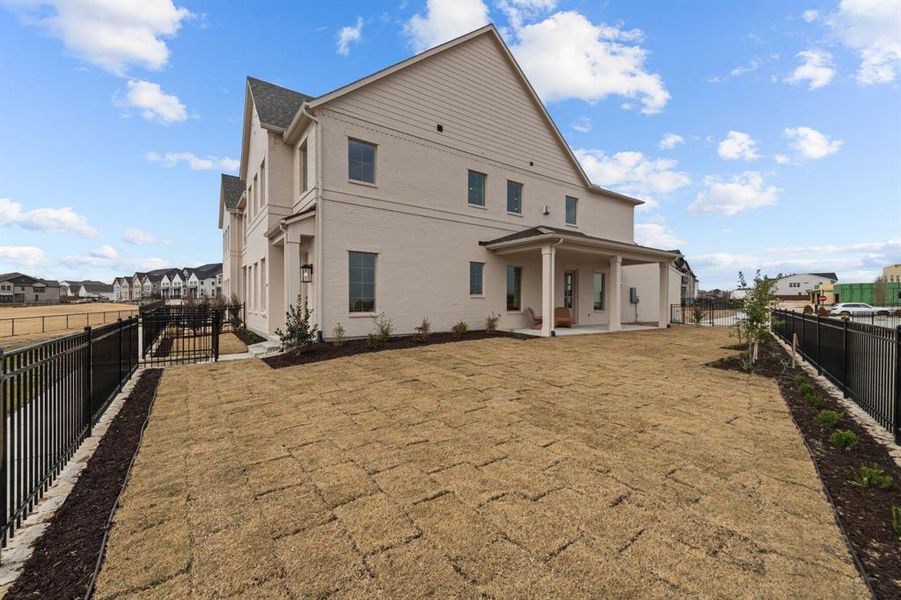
43	322
230	344
594	466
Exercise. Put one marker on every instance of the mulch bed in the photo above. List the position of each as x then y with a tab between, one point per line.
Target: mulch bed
66	555
248	337
327	351
863	513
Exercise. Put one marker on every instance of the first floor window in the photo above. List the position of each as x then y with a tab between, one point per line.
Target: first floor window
599	291
362	282
514	197
514	288
477	188
475	278
571	210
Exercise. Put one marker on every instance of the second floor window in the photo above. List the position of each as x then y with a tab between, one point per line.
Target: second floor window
477	188
571	204
361	161
304	184
514	197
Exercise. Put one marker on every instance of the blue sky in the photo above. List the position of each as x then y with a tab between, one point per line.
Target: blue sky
763	135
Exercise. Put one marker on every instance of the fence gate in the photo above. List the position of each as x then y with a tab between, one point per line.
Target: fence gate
180	334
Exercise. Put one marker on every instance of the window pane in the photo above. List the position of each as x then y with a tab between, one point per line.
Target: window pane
599	291
571	210
362	282
514	197
514	283
476	188
361	161
475	278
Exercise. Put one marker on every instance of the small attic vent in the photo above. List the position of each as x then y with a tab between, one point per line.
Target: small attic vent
440	127
531	164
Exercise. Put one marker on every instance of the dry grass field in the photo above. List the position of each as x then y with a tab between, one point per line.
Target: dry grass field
615	466
39	322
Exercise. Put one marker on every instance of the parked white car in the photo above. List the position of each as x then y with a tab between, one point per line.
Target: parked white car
851	309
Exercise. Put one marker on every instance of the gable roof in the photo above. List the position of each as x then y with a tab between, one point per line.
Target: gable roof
276	105
231	190
831	276
485	30
544	231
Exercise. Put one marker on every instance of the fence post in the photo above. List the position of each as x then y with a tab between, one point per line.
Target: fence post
216	328
119	353
844	359
86	402
4	471
896	415
819	368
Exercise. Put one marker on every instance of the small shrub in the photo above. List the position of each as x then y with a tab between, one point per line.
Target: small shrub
808	309
844	439
423	331
697	314
829	418
806	387
460	328
872	476
800	380
822	311
383	328
338	335
896	520
491	323
813	399
299	332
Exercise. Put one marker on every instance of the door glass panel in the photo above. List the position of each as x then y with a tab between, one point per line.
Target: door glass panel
568	283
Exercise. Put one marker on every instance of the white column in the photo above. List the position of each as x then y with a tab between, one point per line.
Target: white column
663	315
547	289
615	293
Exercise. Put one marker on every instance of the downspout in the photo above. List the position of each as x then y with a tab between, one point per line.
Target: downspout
320	205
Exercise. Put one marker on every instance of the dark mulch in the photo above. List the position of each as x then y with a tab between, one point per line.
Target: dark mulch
248	337
328	351
863	513
65	556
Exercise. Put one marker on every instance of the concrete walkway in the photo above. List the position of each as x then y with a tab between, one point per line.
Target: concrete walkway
591	466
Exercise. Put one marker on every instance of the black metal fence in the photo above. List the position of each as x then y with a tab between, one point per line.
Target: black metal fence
53	393
706	313
180	334
863	360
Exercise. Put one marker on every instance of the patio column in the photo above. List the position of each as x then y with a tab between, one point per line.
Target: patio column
547	289
614	295
663	316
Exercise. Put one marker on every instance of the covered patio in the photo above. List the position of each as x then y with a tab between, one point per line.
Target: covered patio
568	257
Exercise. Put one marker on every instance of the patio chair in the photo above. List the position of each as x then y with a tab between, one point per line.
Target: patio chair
536	320
562	317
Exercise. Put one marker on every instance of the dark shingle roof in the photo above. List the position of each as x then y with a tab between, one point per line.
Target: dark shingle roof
96	286
831	276
275	105
544	230
232	188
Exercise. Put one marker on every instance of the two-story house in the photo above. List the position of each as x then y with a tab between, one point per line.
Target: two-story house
436	188
18	288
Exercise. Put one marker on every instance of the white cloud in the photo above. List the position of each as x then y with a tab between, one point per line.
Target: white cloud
105	251
738	145
753	65
872	29
23	257
566	56
444	20
517	11
196	163
810	143
582	125
781	159
853	261
98	260
111	35
670	141
153	102
657	235
734	195
138	237
64	220
810	15
816	67
632	173
349	35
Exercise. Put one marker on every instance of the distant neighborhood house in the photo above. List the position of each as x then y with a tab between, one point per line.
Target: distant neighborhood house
798	286
92	290
18	288
204	281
